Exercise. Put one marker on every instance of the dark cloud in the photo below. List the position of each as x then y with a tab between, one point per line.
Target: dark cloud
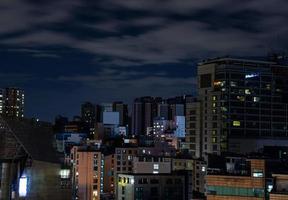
113	47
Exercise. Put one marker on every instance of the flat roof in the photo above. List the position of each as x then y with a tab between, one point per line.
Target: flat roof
213	60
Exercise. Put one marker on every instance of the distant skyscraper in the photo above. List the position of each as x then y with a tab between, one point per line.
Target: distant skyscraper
123	112
176	106
163	110
144	111
14	103
88	113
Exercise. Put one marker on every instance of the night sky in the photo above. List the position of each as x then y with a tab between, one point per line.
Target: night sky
65	52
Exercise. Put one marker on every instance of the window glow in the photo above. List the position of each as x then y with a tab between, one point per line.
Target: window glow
252	75
64	173
23	186
258	174
203	169
247	91
236	123
95	193
256	99
156	166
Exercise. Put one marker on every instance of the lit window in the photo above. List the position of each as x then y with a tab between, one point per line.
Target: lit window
258	174
156	166
23	186
236	123
203	169
252	75
247	91
256	99
64	173
95	193
233	84
241	98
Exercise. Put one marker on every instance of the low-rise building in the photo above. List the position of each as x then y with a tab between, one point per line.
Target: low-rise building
280	188
244	181
150	186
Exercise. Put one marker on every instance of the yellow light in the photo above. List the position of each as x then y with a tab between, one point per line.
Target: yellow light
236	123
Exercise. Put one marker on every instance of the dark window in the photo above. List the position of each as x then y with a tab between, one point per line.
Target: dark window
205	80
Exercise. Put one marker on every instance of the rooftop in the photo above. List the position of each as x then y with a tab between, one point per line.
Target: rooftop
241	60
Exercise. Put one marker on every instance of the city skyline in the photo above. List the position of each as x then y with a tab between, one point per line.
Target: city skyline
63	53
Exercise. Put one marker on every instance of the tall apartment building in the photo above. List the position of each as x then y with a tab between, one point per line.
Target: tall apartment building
109	171
88	113
87	172
12	103
193	137
242	99
2	99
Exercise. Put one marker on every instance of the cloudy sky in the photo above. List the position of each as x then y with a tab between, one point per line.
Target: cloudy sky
65	52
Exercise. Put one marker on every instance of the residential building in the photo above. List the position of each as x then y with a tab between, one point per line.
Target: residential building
2	100
150	186
109	174
196	177
87	172
151	165
194	130
280	189
243	179
88	113
14	103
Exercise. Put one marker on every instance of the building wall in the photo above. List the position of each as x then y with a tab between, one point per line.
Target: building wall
156	165
232	198
109	170
168	187
87	174
235	181
193	137
14	103
278	196
44	182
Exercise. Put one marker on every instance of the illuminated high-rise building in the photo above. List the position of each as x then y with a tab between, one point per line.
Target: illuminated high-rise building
14	103
244	105
2	99
88	113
